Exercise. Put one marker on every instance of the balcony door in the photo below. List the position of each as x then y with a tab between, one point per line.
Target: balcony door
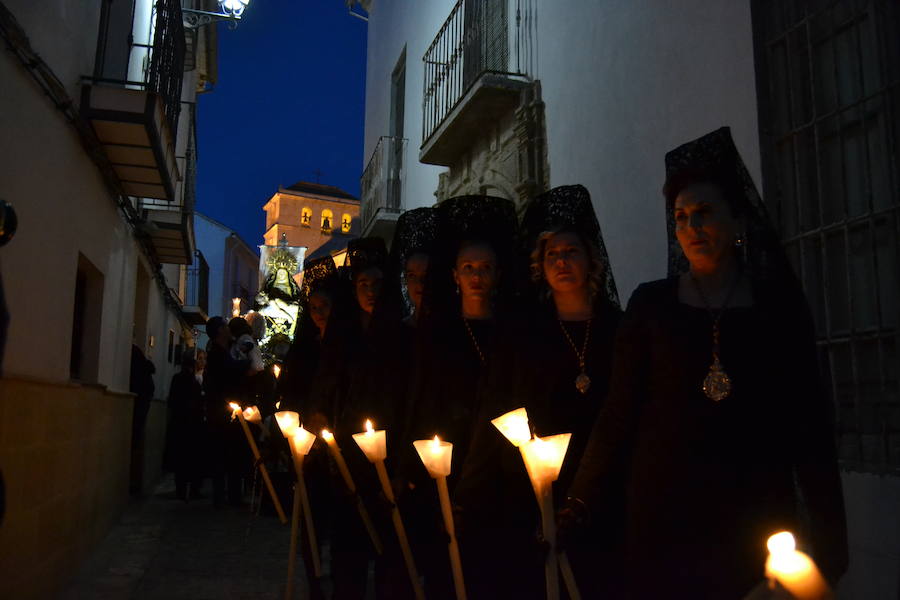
395	135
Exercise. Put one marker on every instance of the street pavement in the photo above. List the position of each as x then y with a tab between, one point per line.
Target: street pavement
164	548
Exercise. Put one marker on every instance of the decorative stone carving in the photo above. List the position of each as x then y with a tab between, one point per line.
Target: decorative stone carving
508	160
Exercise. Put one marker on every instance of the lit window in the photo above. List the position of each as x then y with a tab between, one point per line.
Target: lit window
327	220
346	221
306	217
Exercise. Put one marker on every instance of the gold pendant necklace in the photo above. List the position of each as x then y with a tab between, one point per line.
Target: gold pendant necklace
582	382
474	341
717	383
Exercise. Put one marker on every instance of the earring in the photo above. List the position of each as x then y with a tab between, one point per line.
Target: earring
739	241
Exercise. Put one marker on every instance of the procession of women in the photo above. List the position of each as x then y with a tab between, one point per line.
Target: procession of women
694	417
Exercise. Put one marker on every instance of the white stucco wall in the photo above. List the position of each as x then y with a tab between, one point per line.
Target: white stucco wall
624	81
394	24
64	208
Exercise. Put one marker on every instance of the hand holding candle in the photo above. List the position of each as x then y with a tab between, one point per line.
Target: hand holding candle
236	412
793	570
374	446
437	457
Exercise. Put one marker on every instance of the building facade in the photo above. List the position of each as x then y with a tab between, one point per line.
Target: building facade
322	218
511	97
98	157
233	266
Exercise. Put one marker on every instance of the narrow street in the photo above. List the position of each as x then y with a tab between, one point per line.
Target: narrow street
164	548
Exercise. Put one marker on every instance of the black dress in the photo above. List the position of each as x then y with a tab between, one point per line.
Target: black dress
710	481
534	366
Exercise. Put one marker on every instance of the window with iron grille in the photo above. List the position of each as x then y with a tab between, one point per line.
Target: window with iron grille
829	104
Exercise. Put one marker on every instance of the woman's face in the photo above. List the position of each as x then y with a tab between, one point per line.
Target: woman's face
281	276
705	226
368	288
566	263
476	271
416	269
320	309
200	361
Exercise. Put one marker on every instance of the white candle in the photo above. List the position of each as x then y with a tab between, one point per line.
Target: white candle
544	456
288	421
372	443
251	413
514	426
436	455
794	570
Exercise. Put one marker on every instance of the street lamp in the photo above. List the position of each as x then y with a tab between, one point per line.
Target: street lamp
231	10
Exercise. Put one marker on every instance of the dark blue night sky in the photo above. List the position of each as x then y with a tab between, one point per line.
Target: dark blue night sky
289	101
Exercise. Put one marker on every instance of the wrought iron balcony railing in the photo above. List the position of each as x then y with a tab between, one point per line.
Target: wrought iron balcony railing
380	184
479	36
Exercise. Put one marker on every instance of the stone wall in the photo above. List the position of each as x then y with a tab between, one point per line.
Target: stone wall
64	454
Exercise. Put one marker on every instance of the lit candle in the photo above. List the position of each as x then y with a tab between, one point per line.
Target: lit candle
236	412
351	486
235	307
437	457
374	446
276	370
794	570
301	442
251	413
288	421
514	426
372	443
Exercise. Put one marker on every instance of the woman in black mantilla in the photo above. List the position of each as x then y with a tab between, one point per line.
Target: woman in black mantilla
318	294
468	285
555	362
357	380
411	251
716	398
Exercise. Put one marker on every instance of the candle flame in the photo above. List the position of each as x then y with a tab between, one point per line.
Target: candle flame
369	427
234	406
436	443
278	404
276	370
781	544
327	435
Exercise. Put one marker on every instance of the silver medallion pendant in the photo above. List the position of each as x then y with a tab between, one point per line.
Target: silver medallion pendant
717	384
582	383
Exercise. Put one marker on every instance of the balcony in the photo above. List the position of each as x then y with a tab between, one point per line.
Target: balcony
196	291
136	121
475	68
170	224
380	188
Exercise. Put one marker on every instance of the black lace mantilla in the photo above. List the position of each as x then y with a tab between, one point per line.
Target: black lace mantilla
366	252
416	232
318	273
763	257
568	208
